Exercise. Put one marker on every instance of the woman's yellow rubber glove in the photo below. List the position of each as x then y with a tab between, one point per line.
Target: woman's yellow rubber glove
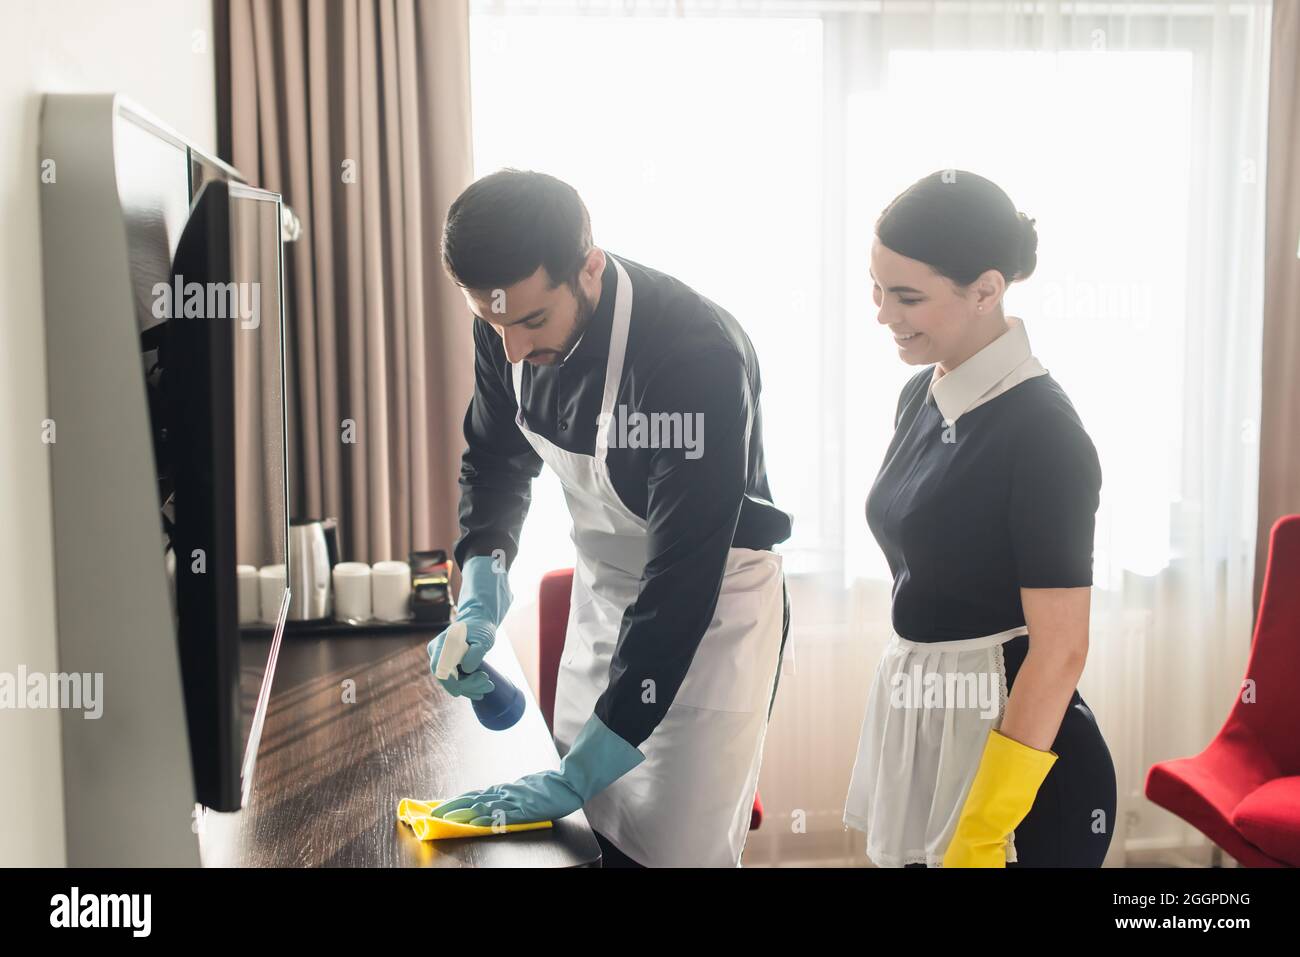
1001	795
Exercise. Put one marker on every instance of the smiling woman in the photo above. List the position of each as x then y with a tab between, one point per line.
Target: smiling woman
933	243
987	526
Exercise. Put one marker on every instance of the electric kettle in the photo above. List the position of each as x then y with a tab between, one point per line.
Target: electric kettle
313	553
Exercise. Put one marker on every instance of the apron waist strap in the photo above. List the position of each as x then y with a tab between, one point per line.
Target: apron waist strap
963	644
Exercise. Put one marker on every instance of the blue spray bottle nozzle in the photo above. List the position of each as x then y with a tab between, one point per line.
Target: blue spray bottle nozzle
500	708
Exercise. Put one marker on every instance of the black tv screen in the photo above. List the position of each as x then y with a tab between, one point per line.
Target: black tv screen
217	377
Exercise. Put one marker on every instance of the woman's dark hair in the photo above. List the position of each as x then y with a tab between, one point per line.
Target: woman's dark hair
510	222
961	225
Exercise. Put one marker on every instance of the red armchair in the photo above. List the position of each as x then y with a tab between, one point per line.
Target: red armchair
553	622
1243	791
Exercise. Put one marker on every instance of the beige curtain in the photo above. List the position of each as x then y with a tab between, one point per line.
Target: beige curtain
1279	434
357	111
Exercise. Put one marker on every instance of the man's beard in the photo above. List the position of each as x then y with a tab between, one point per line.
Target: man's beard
580	322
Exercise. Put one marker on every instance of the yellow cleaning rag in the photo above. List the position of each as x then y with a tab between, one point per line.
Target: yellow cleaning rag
419	815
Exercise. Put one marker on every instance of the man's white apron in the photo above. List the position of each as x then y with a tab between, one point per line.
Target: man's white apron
688	804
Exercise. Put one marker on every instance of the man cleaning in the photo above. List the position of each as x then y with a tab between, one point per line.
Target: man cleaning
643	397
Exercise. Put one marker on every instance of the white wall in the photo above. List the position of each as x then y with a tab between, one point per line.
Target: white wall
160	55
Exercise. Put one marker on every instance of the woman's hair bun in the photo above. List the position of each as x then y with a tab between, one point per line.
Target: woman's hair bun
961	225
1028	247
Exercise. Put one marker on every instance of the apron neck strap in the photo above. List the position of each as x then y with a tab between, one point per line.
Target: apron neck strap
617	344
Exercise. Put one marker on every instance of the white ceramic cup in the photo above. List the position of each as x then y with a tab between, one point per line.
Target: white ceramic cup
390	589
250	600
352	592
270	581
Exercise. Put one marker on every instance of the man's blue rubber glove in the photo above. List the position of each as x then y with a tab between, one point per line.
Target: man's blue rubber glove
484	599
597	759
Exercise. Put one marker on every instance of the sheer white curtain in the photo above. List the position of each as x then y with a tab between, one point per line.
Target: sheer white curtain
748	148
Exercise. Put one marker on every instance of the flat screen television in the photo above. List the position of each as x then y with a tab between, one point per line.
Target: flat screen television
213	344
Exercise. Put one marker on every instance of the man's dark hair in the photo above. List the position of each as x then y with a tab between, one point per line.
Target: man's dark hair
510	222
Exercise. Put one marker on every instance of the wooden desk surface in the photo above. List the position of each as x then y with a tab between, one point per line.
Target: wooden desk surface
333	764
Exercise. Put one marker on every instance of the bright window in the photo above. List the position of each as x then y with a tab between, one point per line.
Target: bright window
697	146
749	157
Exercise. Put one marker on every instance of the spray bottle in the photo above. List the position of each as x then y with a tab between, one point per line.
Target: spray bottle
501	707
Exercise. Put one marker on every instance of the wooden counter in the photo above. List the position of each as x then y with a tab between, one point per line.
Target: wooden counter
354	724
